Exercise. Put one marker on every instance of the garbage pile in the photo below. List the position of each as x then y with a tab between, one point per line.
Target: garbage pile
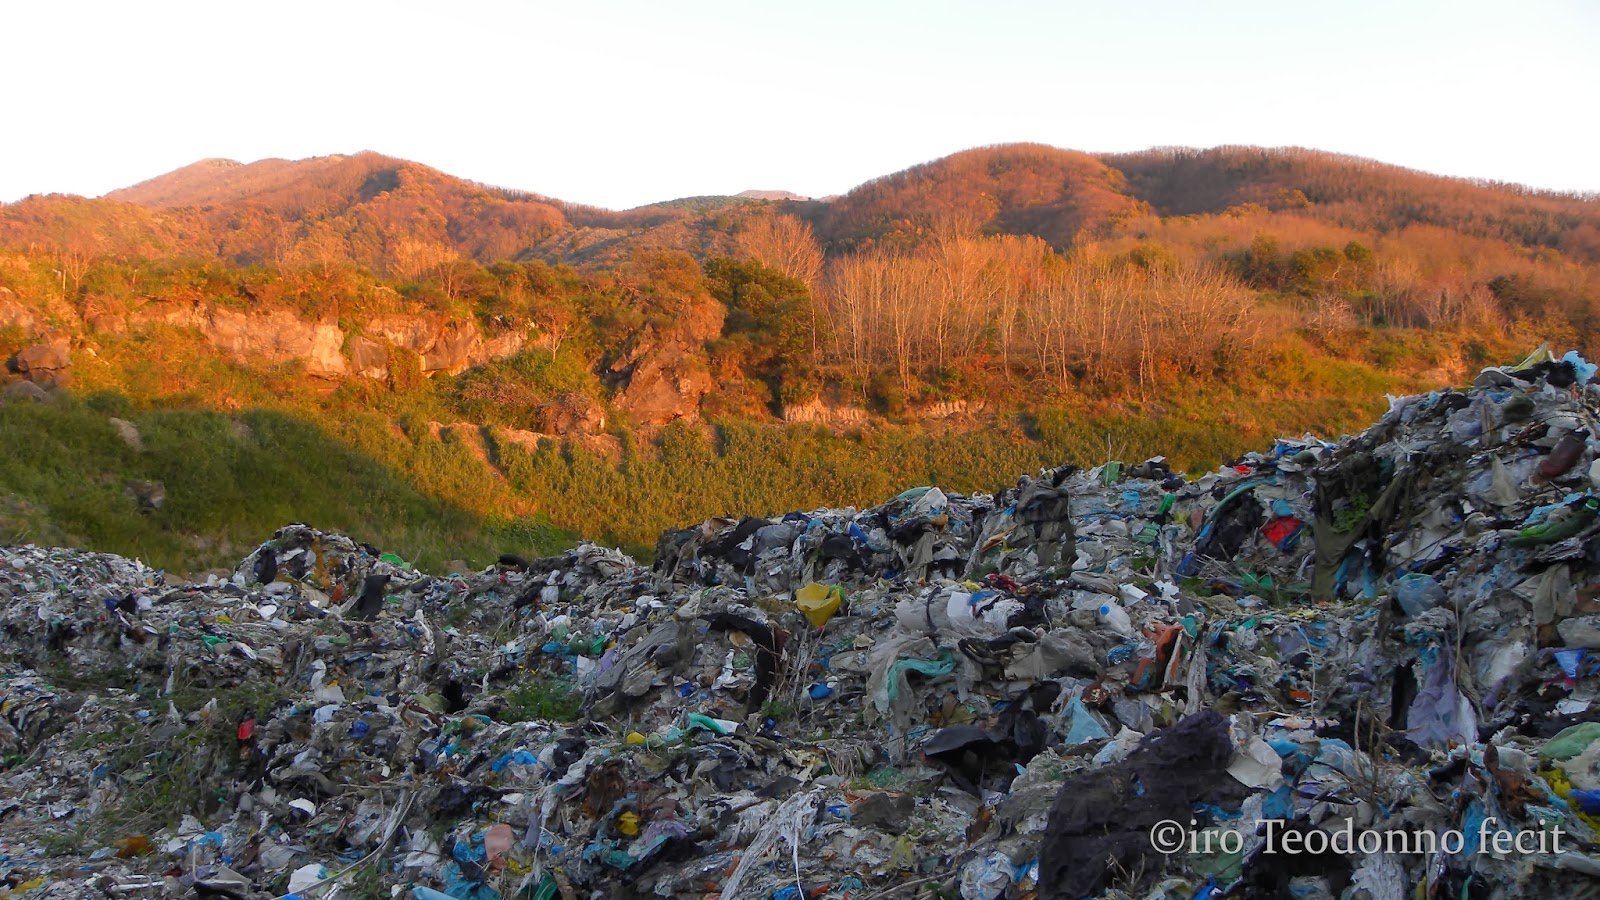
1364	668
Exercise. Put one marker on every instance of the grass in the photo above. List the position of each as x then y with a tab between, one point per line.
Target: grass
167	771
231	480
242	451
542	700
66	843
778	711
164	777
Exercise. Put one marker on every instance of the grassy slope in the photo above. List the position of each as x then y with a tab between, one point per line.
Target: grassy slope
231	481
366	462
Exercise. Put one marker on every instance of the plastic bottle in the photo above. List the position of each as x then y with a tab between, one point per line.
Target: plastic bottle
1563	455
1554	529
560	628
1116	618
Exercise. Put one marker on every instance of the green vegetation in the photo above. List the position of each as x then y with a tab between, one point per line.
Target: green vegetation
1078	308
243	450
429	468
542	699
231	480
768	332
163	769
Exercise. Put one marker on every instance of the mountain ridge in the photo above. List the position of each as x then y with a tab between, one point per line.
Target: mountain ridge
131	193
378	210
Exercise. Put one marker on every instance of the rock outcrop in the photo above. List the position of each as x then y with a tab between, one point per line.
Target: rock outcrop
817	412
663	373
14	315
273	337
279	336
444	346
276	337
23	390
46	365
660	375
129	433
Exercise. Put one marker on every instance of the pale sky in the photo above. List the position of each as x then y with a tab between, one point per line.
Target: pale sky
619	104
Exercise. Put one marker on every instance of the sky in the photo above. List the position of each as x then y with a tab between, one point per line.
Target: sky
619	104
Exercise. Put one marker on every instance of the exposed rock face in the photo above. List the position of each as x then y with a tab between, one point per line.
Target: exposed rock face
660	376
24	390
945	409
452	349
14	315
278	336
449	347
574	412
129	433
606	445
46	365
665	369
498	347
820	413
275	337
664	386
413	333
369	357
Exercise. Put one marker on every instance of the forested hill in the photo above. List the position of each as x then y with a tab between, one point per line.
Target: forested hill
512	355
1360	194
375	210
1066	197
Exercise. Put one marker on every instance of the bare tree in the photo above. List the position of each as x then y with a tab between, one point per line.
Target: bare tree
853	294
413	259
1021	265
322	248
75	252
787	244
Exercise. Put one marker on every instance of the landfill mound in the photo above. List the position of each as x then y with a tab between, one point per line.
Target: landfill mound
945	695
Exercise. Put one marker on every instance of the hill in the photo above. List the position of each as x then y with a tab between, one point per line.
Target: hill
619	372
218	481
210	182
77	230
770	195
1357	193
400	217
1061	196
373	210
